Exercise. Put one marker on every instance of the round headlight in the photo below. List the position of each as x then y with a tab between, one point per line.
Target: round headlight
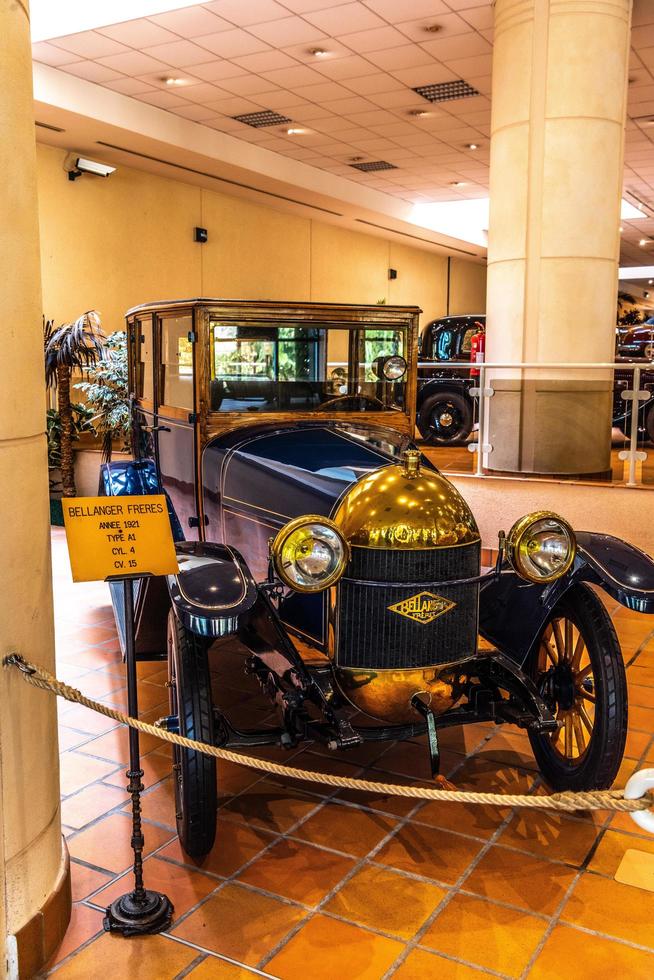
541	546
310	554
394	368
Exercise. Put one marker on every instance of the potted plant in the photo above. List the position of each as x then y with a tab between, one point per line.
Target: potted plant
107	395
72	346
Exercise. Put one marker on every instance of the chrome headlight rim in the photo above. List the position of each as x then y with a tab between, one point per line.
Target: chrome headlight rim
281	540
389	363
517	544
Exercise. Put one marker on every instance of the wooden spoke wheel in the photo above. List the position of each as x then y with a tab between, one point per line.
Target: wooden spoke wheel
579	671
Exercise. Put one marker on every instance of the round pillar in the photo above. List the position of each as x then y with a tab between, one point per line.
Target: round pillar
557	135
34	890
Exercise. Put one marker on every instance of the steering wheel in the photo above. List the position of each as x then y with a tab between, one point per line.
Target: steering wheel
351	403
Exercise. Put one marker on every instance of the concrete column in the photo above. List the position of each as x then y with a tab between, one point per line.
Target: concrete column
33	871
557	134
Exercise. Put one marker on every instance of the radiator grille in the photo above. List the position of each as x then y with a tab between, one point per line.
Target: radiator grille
370	635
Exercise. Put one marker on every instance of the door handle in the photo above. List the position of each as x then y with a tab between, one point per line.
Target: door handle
155	428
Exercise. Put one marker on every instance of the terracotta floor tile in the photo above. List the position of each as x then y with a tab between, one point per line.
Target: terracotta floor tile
640	695
77	771
148	697
504	939
214	968
114	745
509	748
233	779
612	847
488	775
70	739
184	888
595	958
155	765
106	844
386	901
412	759
429	852
271	805
158	803
519	879
90	803
641	719
85	880
551	835
145	957
297	871
325	948
393	805
345	828
421	964
612	908
467	818
98	683
84	923
637	743
641	674
236	844
464	739
240	923
84	720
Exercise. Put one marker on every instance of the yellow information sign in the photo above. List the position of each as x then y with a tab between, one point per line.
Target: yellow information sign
118	536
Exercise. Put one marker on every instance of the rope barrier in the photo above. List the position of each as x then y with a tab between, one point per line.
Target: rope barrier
613	799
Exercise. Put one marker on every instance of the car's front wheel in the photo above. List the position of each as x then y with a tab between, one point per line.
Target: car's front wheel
445	417
194	774
579	671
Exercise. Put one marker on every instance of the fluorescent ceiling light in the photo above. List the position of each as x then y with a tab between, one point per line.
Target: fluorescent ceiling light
56	18
628	212
636	272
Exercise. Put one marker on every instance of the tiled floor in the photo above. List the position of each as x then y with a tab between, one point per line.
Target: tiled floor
311	883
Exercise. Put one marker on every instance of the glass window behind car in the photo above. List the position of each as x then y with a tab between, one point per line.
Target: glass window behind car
272	367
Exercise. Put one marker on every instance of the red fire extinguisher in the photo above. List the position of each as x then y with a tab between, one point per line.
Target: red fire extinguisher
477	348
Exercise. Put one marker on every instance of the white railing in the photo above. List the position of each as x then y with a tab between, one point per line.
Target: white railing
482	391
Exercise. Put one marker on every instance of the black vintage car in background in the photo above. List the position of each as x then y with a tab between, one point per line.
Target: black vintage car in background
445	408
338	566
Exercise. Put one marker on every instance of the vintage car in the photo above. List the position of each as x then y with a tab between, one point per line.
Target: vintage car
445	408
344	567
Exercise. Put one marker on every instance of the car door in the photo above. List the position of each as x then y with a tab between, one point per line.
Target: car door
175	427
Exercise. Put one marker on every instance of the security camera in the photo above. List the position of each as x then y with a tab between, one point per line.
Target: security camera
84	166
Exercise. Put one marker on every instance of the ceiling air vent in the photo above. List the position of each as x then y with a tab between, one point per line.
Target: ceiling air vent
446	91
54	129
367	168
264	118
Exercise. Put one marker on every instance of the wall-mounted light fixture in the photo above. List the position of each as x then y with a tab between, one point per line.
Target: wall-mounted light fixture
84	166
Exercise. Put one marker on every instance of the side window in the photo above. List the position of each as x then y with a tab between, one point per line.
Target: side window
444	345
466	343
144	346
176	362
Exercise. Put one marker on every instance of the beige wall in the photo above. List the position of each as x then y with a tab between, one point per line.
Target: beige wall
111	244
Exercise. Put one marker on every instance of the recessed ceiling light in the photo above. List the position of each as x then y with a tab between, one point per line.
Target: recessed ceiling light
621	229
650	282
472	146
295	132
419	113
643	242
458	183
356	159
172	81
319	52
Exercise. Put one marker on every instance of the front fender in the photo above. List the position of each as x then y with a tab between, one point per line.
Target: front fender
212	590
512	612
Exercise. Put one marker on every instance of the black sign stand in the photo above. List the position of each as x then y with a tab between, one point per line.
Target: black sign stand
141	911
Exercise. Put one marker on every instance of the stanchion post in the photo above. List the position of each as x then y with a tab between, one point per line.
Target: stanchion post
140	911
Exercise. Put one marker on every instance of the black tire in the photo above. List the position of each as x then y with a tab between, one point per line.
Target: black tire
588	680
196	795
445	418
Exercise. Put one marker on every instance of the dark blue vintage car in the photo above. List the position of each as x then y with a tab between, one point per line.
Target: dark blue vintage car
348	569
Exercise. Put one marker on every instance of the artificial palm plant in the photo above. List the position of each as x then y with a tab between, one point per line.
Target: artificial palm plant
71	346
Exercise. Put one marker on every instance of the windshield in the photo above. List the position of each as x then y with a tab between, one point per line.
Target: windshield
270	367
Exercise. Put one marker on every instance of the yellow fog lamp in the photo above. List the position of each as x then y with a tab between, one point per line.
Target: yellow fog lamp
541	546
310	553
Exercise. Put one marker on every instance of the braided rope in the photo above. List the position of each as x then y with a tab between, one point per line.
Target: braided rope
597	800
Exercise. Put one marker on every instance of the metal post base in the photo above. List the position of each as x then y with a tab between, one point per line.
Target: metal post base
132	916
